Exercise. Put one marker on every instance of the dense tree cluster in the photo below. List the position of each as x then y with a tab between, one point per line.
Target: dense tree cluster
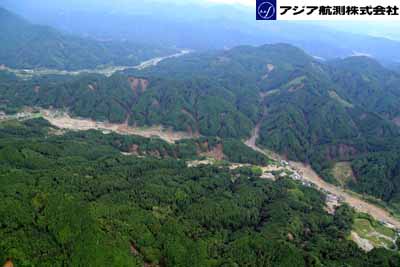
74	201
321	113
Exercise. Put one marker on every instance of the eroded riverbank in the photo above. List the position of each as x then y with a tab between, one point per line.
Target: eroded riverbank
306	173
64	121
107	71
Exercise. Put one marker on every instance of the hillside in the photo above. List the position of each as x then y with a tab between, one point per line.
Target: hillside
212	26
74	199
186	133
321	113
24	45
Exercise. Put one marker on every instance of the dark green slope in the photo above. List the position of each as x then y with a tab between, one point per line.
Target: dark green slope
312	113
366	82
226	93
307	110
23	45
70	200
308	104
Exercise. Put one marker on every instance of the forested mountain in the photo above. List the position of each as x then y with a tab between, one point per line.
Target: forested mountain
364	81
24	45
215	193
199	25
322	113
75	200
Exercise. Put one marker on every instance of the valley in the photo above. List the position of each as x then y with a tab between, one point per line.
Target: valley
206	147
306	173
300	171
62	120
107	71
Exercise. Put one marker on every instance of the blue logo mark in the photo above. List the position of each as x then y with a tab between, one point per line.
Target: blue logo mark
266	9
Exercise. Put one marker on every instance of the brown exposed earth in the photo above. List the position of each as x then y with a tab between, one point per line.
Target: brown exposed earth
8	263
270	68
64	121
196	131
134	149
358	204
310	175
251	142
134	249
364	244
137	83
216	152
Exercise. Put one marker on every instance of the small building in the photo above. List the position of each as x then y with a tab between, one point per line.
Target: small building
268	175
284	163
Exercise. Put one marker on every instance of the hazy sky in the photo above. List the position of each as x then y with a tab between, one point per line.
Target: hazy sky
374	28
242	2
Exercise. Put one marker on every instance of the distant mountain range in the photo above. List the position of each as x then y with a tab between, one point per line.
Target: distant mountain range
24	45
198	26
87	198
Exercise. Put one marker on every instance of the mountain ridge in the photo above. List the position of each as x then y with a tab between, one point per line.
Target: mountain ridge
306	110
25	45
225	27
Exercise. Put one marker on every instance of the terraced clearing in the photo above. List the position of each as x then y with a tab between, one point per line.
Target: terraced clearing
309	175
63	121
369	233
358	204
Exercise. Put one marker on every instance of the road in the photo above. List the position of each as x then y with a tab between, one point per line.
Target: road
66	122
358	204
310	175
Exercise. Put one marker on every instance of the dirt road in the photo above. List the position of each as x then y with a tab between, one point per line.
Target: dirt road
358	204
310	175
64	121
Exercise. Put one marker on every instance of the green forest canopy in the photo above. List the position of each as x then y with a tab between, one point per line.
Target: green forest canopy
321	113
74	201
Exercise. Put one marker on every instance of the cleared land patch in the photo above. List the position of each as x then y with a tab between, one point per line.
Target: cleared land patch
375	233
336	97
343	173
